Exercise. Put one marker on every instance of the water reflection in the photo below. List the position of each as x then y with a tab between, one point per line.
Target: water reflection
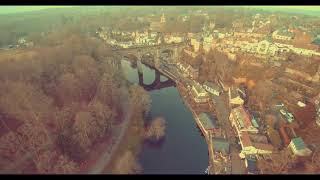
155	143
183	150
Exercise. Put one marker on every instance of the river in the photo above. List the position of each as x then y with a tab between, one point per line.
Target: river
183	150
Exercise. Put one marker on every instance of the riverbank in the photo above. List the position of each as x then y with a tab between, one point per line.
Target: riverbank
131	141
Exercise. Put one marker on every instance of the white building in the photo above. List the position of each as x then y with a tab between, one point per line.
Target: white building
199	94
299	148
212	88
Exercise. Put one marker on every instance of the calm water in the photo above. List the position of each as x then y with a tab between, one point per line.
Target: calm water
184	150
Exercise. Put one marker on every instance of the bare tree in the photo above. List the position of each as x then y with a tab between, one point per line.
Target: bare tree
278	163
127	164
156	129
83	128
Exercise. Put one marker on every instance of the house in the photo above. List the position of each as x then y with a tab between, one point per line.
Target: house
285	137
207	122
283	34
308	51
249	147
254	122
234	97
250	141
240	119
288	117
173	39
299	148
22	41
200	95
265	47
251	164
242	91
188	70
301	104
212	88
221	145
248	35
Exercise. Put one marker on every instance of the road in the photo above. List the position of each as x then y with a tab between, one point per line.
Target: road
222	109
237	165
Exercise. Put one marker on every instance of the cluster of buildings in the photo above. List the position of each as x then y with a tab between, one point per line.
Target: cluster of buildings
252	142
187	70
145	37
205	92
270	47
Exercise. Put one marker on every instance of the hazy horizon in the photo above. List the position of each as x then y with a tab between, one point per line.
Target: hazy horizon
294	9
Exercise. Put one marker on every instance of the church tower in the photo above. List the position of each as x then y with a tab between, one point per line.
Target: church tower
163	18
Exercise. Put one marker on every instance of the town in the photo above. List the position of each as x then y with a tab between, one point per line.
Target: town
238	135
249	79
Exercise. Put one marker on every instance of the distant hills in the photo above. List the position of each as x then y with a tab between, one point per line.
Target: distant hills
22	9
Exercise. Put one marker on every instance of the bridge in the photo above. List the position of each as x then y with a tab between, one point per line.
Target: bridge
156	57
151	56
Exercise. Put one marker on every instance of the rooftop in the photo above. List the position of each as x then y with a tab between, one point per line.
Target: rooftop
206	121
298	143
263	146
254	122
316	41
285	32
221	145
198	88
212	85
242	116
245	139
251	164
233	93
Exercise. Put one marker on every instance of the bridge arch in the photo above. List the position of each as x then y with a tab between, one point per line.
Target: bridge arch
157	83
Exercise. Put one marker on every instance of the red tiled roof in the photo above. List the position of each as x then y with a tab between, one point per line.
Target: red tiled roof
284	135
263	146
245	116
245	139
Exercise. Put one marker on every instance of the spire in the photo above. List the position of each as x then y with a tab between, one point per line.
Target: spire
163	18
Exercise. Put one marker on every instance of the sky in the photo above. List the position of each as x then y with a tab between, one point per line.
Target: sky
17	9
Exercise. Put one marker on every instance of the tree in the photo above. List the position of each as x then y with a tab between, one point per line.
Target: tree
278	163
156	129
127	164
68	89
85	68
83	129
139	99
64	166
44	161
103	116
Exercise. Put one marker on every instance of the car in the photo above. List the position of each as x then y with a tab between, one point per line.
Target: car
283	112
